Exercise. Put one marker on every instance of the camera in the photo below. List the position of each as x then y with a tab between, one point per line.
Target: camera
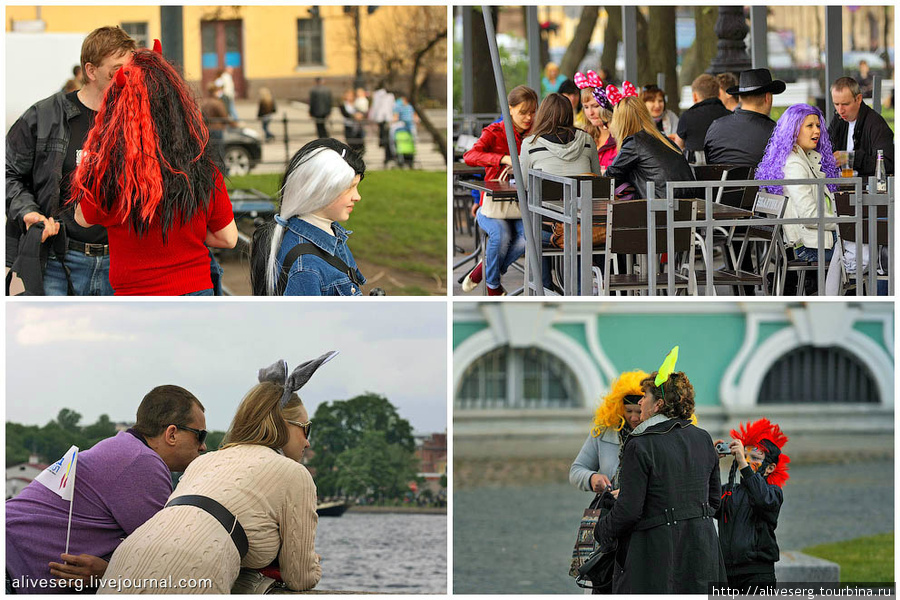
722	448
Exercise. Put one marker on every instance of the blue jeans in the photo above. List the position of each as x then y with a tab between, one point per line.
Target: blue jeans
505	245
208	292
90	275
812	254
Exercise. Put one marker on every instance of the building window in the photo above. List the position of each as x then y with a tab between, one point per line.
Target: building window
309	42
518	378
138	31
810	375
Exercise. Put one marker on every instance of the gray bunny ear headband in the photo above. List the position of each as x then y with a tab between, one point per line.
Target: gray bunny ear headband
278	373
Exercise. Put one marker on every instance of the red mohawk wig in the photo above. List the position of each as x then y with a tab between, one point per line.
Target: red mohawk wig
768	438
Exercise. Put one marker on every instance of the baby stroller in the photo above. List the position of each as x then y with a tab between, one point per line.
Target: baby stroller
403	144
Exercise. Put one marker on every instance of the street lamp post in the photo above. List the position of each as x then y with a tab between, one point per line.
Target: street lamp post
731	29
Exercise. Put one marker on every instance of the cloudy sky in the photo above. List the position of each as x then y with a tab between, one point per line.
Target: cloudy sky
100	358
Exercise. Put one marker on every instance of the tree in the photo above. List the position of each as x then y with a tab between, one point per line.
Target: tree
663	51
485	93
375	467
342	425
611	38
100	430
68	420
578	46
410	46
703	50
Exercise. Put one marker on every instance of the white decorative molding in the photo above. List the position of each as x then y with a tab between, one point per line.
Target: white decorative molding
806	326
506	328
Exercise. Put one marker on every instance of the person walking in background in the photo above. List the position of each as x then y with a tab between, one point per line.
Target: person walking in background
226	81
405	112
43	149
267	108
354	120
320	107
382	112
74	84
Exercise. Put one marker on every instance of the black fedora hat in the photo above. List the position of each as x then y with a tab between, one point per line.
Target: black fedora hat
757	81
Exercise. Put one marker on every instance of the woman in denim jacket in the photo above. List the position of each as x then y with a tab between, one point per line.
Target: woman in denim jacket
318	191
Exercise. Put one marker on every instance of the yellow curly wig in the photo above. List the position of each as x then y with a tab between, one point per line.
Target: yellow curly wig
611	412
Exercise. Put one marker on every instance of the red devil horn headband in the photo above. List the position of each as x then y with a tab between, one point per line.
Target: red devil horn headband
157	47
120	74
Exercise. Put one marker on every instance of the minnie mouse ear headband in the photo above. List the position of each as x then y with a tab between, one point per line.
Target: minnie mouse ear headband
586	80
120	74
614	95
278	373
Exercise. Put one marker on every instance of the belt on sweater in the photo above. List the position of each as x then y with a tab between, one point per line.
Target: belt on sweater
671	516
89	249
221	514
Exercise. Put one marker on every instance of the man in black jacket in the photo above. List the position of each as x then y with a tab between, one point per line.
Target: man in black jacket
43	149
871	132
749	511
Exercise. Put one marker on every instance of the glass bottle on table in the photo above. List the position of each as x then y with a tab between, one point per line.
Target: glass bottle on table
880	176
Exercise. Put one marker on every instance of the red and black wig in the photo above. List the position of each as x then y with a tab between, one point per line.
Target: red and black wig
769	439
145	158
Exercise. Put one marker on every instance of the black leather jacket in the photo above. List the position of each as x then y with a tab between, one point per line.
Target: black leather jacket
644	158
870	135
36	147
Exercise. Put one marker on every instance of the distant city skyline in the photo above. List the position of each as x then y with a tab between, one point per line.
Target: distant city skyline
102	357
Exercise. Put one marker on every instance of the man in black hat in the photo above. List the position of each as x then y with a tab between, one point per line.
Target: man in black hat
741	137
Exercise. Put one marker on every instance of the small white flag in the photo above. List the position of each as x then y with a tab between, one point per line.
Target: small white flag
60	476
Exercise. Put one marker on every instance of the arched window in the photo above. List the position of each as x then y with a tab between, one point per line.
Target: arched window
517	378
808	375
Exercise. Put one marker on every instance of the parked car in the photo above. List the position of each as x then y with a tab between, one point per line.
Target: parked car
240	149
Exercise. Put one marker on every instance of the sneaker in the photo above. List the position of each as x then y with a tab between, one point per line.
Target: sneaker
496	292
473	278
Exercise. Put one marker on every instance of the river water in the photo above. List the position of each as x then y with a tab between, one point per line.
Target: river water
387	553
519	539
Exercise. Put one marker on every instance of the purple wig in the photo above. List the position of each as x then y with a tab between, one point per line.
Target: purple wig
783	140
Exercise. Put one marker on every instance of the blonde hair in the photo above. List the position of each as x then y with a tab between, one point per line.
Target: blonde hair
611	412
592	130
631	115
260	419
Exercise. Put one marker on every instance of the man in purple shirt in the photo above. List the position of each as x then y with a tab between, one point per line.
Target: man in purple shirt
119	483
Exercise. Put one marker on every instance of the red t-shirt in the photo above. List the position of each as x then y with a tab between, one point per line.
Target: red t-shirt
144	266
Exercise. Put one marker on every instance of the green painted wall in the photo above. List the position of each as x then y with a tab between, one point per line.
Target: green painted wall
707	344
463	331
873	330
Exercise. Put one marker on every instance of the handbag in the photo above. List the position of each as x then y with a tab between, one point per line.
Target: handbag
558	238
591	567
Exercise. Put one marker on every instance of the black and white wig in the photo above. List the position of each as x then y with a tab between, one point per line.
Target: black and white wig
318	173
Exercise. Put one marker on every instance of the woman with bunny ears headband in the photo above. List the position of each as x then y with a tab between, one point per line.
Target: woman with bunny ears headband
245	505
304	252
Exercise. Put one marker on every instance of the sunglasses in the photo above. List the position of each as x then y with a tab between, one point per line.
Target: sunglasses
306	427
201	433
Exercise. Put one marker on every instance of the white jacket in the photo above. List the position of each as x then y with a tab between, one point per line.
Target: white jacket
802	199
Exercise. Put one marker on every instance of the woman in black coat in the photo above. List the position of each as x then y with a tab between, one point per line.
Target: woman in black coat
670	489
645	154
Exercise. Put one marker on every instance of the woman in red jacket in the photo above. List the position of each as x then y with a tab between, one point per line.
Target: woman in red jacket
501	221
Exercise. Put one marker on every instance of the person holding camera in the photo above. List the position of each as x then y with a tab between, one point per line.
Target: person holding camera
749	511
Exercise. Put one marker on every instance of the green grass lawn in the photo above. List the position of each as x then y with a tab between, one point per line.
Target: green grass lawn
401	221
865	559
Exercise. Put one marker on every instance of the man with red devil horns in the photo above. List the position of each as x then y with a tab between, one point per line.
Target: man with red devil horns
748	514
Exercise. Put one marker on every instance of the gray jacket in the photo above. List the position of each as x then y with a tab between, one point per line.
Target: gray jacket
575	157
598	455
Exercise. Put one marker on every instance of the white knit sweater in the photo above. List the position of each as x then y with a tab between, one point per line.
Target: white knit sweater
274	499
